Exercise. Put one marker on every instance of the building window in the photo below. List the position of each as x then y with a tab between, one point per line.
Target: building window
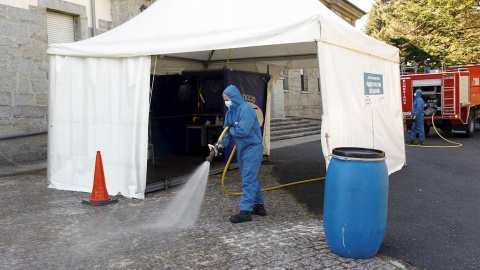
319	86
60	27
285	79
304	79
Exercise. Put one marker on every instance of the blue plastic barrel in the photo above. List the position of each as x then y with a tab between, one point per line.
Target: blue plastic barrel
356	199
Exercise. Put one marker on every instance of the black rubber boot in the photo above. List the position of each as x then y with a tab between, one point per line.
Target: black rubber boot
422	143
411	142
259	210
241	217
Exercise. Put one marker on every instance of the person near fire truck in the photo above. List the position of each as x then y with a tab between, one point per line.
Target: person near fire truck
417	114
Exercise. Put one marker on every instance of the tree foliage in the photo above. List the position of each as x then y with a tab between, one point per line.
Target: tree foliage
428	32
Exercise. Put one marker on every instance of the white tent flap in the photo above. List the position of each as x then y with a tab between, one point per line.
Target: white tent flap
356	118
99	104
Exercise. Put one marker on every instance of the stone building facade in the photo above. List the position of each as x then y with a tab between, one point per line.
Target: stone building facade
24	77
24	68
297	92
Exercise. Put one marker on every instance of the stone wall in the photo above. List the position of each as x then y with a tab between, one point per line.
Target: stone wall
124	10
24	80
103	26
306	103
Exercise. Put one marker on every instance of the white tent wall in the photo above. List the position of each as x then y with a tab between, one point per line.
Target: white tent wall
99	104
349	120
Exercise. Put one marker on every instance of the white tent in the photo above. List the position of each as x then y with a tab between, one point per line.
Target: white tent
99	90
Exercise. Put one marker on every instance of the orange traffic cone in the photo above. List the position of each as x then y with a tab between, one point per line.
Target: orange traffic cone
99	193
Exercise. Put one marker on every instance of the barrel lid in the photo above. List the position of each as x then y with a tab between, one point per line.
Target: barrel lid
357	152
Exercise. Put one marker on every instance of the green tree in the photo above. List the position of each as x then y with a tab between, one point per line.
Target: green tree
428	32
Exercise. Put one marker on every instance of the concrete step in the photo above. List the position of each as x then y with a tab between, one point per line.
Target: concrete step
288	126
293	127
288	118
292	136
294	131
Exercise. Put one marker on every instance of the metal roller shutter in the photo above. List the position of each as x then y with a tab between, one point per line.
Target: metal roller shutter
60	28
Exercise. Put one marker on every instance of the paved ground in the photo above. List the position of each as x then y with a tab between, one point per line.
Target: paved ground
434	214
433	211
44	228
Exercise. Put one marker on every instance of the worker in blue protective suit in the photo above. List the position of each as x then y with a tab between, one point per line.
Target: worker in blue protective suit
417	114
245	130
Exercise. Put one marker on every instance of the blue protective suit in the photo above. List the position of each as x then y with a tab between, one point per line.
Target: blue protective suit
417	112
245	129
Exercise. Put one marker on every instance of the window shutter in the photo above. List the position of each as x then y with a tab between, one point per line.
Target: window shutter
60	28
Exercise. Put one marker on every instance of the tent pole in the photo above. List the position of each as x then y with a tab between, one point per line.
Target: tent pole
323	92
321	75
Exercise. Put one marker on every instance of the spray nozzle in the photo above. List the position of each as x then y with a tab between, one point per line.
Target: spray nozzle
211	156
213	149
213	152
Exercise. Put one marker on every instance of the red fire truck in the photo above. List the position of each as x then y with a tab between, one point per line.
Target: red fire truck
452	94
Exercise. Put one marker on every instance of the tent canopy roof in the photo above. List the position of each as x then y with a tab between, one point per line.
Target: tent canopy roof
264	30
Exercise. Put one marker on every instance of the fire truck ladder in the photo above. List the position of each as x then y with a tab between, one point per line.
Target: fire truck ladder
449	106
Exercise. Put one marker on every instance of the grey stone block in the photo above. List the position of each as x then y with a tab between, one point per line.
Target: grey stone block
41	99
38	119
40	42
8	74
3	54
124	18
3	10
5	111
35	75
40	37
23	65
16	29
6	41
24	15
36	29
17	111
24	99
123	8
26	156
35	111
8	84
24	86
5	98
34	53
40	86
6	129
21	123
28	111
44	67
63	6
24	126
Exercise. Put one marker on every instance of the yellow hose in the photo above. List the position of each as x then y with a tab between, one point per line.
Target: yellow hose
432	146
265	189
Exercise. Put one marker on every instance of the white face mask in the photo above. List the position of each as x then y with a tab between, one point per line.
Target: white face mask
228	103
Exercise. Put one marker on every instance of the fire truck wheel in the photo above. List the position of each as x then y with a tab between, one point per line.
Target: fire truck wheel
471	125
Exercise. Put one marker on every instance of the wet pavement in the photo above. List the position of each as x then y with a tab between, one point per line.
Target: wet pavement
44	228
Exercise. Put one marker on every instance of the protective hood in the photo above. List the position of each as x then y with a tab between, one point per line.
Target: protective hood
418	93
234	94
